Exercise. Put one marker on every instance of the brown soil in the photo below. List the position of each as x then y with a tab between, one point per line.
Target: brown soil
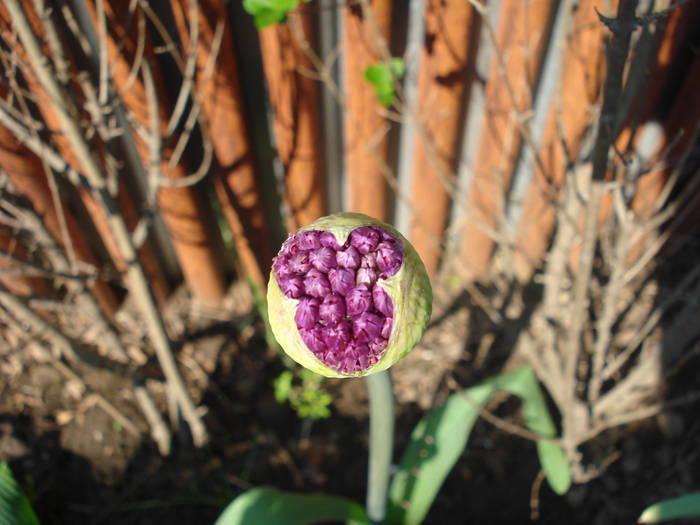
79	466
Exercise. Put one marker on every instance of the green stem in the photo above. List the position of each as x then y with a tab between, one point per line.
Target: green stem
381	442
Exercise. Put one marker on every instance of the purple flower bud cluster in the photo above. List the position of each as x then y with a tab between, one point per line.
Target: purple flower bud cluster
343	316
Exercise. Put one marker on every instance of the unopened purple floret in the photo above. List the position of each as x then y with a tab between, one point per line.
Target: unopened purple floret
316	284
358	301
323	259
366	327
307	312
348	258
329	240
332	309
386	327
365	239
292	286
366	276
388	258
382	302
376	345
299	263
313	338
342	280
308	240
337	336
343	316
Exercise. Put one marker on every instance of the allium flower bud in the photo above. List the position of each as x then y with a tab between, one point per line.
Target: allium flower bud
348	296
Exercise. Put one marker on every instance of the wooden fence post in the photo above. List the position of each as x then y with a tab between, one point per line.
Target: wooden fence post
568	120
366	131
182	207
451	27
294	98
520	43
219	91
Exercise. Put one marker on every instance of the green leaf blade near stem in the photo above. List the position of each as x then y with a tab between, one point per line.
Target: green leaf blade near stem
440	438
15	508
269	505
681	507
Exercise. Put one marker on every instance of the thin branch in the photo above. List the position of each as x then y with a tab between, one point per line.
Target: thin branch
492	418
139	285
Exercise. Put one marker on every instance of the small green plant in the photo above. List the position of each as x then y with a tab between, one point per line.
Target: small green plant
383	77
305	395
15	508
269	12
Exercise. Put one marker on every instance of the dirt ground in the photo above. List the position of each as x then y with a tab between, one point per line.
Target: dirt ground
79	464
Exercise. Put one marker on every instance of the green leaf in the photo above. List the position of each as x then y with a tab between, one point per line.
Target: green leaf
15	508
383	76
283	386
268	505
682	507
269	12
439	439
397	66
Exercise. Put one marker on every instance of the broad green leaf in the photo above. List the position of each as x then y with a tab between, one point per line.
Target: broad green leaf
15	508
439	439
436	444
268	505
687	506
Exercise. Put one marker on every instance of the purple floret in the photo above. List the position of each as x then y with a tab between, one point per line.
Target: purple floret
308	240
314	339
307	312
316	284
323	259
382	302
388	258
365	239
299	263
358	301
367	327
348	258
386	327
329	240
342	280
366	276
342	315
292	286
332	309
337	336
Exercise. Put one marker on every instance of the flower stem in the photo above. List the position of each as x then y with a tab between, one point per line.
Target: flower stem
381	442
